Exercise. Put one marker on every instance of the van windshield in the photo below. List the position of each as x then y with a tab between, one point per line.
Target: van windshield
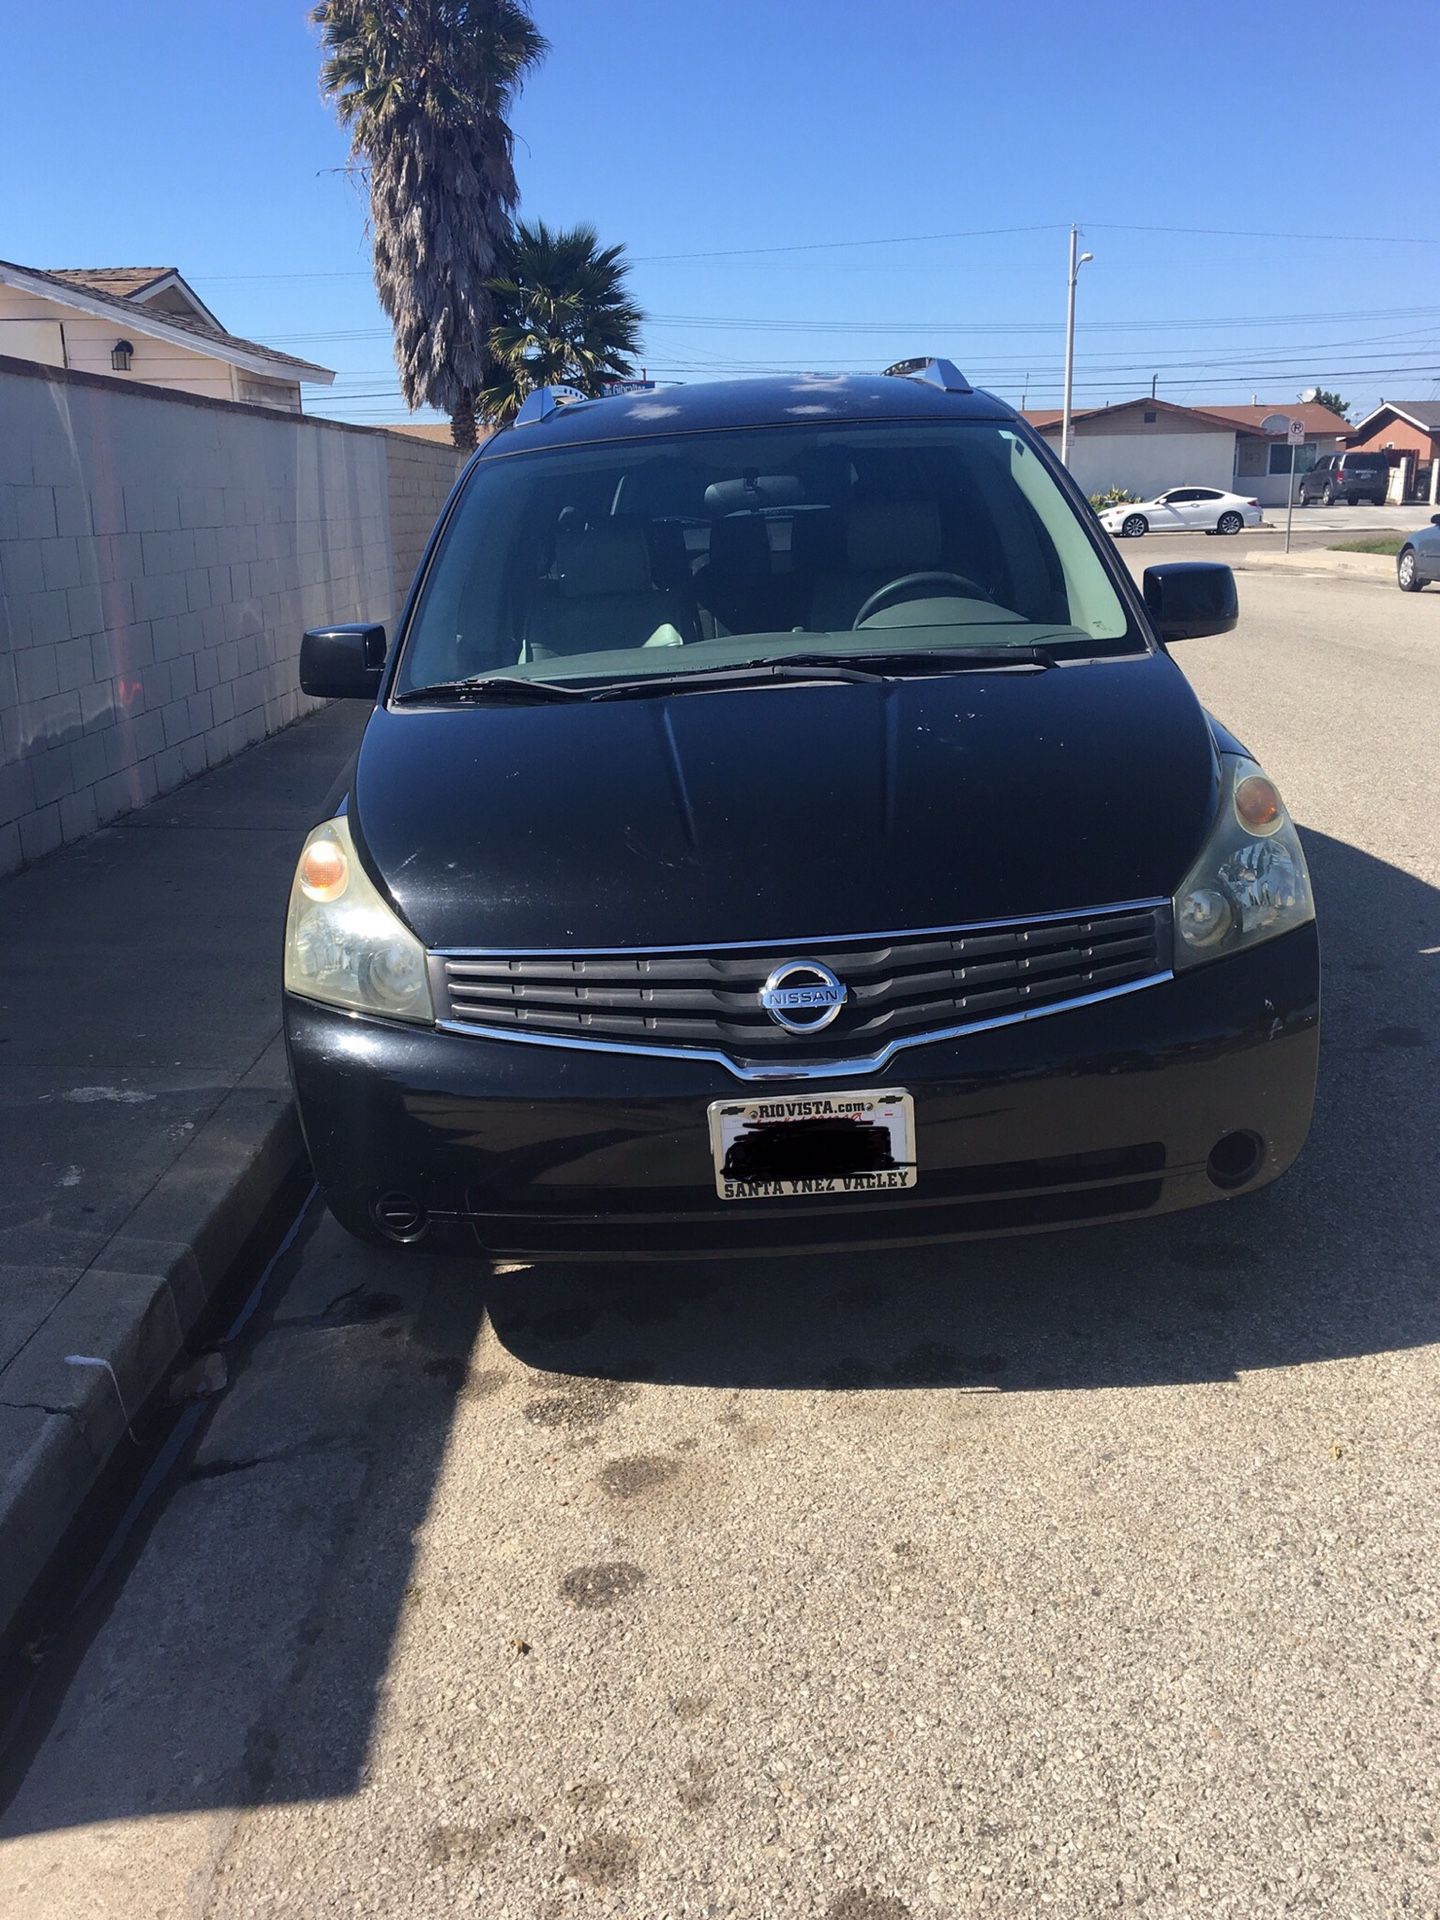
686	552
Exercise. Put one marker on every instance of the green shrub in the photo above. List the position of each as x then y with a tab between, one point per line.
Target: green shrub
1112	497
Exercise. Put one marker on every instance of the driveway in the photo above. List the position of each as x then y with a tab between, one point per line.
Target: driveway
1081	1574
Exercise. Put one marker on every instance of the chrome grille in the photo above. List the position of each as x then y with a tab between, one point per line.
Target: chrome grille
900	988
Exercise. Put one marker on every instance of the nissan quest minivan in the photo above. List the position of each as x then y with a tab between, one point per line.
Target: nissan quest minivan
781	824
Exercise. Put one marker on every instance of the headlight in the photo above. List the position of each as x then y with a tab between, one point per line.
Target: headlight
343	944
1250	882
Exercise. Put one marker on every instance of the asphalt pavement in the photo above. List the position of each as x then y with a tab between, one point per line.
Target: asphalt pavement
1089	1573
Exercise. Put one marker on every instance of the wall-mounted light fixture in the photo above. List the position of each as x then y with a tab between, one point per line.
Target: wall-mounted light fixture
120	356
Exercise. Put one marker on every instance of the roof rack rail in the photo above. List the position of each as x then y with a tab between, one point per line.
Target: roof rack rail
540	404
935	373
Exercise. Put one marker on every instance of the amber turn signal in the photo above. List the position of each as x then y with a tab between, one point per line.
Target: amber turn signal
1258	804
324	871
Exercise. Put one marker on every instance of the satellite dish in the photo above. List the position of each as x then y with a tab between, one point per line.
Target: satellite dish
1310	393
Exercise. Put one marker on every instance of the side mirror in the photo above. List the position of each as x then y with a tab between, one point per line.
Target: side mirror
1187	599
1435	519
342	663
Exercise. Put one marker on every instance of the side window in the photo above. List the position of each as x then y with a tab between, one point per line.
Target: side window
1178	496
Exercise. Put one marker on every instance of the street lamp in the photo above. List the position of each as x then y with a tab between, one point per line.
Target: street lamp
1075	266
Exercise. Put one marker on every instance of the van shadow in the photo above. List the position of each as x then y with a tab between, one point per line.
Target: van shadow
1333	1260
243	1655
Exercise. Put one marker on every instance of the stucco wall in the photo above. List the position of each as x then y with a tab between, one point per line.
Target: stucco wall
1148	463
159	559
1252	461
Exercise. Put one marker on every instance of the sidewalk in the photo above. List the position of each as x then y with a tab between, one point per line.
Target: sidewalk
1376	567
145	1118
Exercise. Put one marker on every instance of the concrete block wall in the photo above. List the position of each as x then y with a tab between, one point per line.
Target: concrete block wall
160	556
422	473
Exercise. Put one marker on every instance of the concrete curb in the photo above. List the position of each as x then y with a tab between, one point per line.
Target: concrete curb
1377	567
129	1315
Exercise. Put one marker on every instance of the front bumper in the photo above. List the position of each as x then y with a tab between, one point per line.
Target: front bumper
1104	1112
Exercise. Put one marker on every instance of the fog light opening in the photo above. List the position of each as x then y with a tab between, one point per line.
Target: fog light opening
1235	1159
399	1217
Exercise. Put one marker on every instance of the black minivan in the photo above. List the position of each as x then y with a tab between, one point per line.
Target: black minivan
781	825
1351	477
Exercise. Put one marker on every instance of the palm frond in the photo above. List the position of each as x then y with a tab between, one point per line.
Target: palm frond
424	87
563	314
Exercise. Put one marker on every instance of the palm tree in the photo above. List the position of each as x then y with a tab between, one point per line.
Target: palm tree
563	314
424	87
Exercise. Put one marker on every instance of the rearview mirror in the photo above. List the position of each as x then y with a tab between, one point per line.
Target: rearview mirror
342	663
1188	599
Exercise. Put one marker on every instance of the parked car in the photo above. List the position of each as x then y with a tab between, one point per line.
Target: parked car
781	824
1419	559
1182	510
1351	477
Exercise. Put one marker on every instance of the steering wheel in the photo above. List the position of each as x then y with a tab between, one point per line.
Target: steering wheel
964	587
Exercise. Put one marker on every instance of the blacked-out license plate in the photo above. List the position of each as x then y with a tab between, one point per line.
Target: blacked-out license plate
861	1141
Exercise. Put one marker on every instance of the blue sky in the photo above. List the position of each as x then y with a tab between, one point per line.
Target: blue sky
914	167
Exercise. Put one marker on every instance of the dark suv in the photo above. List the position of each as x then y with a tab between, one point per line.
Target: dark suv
1346	476
781	824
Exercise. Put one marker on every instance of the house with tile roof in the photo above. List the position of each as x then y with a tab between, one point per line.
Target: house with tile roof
144	324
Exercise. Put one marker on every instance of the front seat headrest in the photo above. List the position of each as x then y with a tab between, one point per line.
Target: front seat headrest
591	561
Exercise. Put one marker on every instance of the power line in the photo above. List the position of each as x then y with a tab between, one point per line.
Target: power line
822	246
1262	233
758	324
916	239
1298	354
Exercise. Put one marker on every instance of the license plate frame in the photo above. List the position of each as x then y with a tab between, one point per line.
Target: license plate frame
891	1109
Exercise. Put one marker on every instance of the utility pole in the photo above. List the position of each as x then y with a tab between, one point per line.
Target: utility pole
1074	274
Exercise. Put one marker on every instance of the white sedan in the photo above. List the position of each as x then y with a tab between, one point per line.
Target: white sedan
1183	510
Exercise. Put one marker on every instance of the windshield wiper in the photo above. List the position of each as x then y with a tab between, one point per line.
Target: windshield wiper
742	673
873	669
494	686
926	659
866	669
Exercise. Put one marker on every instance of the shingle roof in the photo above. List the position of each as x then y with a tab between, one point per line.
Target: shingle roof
1424	413
124	281
422	430
145	319
1044	418
1249	419
1318	420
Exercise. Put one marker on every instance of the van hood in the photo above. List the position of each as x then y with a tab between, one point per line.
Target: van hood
788	811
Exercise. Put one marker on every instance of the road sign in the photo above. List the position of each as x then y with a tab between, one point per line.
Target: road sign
1294	432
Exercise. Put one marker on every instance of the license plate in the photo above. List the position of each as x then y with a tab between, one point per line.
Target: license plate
813	1143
